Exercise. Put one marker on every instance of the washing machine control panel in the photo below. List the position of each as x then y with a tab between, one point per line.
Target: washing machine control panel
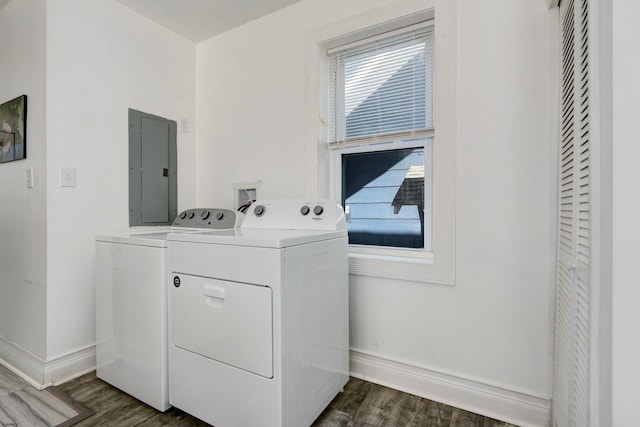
208	218
295	214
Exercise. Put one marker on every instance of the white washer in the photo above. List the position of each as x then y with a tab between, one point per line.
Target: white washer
131	304
258	316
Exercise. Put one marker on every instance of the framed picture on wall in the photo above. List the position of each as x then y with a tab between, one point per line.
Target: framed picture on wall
13	129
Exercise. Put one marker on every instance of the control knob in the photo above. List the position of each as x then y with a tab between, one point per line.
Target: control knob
304	210
259	210
191	215
183	215
219	216
205	214
318	210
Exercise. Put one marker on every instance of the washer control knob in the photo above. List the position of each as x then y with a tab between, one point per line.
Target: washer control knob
183	215
304	210
191	214
219	216
318	210
259	210
205	215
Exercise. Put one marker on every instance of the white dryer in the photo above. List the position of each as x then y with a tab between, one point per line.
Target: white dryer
131	303
258	316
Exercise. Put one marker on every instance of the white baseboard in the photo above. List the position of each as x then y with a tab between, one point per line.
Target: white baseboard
70	366
495	402
40	373
488	400
23	363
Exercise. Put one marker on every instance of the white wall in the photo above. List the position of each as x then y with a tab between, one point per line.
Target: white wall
506	174
101	60
250	102
22	210
626	211
492	330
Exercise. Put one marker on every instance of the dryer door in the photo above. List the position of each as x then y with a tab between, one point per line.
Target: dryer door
225	321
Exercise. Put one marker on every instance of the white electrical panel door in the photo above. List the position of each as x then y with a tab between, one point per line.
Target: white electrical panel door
229	322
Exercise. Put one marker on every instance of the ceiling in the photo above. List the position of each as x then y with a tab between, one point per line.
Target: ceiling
199	20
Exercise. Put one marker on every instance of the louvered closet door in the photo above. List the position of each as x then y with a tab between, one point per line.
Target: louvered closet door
571	376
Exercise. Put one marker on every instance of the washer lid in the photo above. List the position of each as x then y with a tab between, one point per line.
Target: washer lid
258	237
155	238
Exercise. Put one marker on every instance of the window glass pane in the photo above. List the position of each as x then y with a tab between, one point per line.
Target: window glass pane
383	193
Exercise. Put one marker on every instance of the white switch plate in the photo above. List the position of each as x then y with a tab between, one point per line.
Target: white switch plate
29	177
67	177
184	125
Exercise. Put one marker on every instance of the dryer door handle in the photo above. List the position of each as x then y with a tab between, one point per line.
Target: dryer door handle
214	295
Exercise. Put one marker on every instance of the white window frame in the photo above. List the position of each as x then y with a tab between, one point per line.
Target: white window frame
438	265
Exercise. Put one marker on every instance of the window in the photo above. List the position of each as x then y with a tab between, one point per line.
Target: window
328	143
381	131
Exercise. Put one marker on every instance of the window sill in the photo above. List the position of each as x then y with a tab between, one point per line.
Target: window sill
422	269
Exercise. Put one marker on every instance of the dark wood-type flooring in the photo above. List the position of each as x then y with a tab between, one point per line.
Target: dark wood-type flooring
361	404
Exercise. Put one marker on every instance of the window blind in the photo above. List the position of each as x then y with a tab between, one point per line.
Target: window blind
381	89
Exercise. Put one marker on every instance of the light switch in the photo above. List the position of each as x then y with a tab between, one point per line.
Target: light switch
184	125
29	177
67	177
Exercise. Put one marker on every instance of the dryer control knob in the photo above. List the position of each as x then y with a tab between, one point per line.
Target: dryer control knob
259	210
219	216
318	210
183	215
304	210
191	215
205	215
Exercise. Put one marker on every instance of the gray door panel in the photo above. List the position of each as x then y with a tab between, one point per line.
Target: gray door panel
152	169
155	171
